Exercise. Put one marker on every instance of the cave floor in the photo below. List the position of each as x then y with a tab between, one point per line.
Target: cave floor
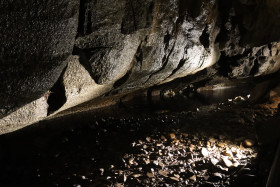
150	144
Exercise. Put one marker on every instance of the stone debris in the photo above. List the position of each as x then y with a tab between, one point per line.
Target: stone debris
168	150
249	143
193	178
227	162
214	161
204	152
172	136
150	175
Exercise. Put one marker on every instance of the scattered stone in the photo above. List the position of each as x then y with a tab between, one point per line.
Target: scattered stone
137	175
174	178
218	175
227	153
204	152
227	162
150	175
214	161
220	144
102	171
235	164
130	161
163	173
191	148
249	143
193	178
147	161
172	136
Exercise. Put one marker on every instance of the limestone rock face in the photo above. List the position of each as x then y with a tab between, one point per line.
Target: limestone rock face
26	115
248	37
80	50
139	43
79	86
37	38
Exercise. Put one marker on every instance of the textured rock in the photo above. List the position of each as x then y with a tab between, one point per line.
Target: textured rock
255	61
79	86
26	115
37	37
127	45
151	42
246	40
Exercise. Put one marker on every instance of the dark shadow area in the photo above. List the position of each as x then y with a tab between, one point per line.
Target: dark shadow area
115	145
57	97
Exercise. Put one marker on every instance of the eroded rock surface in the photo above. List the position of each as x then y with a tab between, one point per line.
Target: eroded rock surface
37	38
127	45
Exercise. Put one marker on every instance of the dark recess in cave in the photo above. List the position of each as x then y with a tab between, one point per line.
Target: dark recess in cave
57	96
81	18
204	38
122	80
255	68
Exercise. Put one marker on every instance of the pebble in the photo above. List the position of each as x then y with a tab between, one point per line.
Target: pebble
163	173
137	175
101	170
150	175
193	178
147	161
227	153
220	144
249	143
214	161
236	164
204	152
174	178
131	160
227	162
218	175
172	136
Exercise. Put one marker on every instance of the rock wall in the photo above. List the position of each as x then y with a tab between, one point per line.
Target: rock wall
74	51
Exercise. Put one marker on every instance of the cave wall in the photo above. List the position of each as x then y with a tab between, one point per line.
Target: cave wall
69	52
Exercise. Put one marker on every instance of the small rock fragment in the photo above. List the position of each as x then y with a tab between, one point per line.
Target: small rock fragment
218	175
147	161
102	171
227	162
172	136
214	161
204	152
249	143
227	153
236	164
220	144
193	178
174	178
137	175
150	175
131	160
163	173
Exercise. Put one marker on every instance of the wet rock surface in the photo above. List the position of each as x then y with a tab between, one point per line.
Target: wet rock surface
132	145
